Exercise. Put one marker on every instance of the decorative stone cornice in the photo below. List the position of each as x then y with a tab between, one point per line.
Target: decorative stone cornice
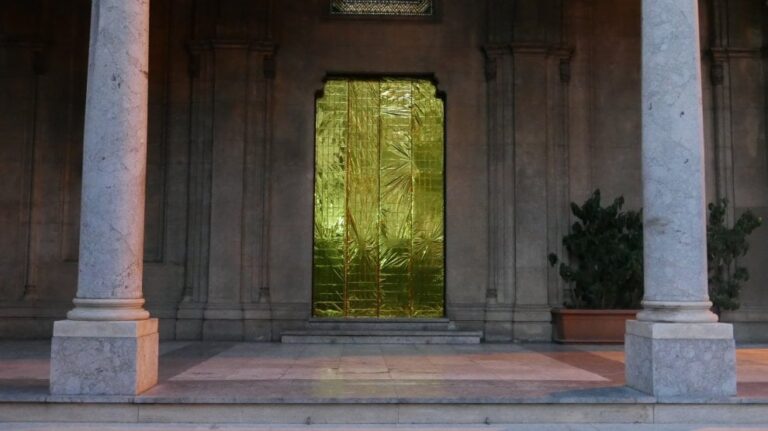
565	70
717	73
548	49
269	67
722	53
490	68
251	45
39	63
18	42
198	47
492	52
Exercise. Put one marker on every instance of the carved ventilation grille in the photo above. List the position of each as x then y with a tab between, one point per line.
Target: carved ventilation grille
383	7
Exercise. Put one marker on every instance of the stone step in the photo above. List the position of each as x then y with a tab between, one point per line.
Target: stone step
329	414
338	336
105	426
381	324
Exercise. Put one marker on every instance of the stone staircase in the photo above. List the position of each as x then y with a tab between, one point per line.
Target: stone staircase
381	331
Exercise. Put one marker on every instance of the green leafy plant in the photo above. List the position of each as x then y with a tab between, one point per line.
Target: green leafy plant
605	247
606	252
724	246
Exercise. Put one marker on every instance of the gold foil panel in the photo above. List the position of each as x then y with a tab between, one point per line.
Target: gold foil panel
428	266
396	197
379	200
362	240
329	268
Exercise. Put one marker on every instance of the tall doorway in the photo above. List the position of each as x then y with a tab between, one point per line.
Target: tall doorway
379	222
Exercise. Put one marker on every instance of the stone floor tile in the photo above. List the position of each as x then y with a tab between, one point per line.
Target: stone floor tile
259	371
26	368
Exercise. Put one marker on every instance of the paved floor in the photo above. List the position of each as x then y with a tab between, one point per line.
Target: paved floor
273	372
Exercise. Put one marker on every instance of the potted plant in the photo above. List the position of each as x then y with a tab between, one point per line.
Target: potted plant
605	273
724	246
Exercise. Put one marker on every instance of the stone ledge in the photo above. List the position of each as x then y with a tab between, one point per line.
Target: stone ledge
112	329
285	413
685	331
380	337
673	362
104	357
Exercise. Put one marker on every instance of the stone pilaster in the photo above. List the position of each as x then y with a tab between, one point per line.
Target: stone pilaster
676	347
499	307
108	345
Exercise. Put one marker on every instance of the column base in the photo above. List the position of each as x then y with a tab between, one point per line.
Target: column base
681	359
104	357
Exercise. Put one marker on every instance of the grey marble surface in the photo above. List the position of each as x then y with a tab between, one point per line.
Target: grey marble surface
115	151
702	369
103	365
673	153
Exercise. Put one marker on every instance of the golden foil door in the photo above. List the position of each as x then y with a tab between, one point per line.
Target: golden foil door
379	200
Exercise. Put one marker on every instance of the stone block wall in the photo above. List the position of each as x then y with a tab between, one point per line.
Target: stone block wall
542	107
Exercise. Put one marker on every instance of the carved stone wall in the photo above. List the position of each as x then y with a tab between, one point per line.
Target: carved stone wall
542	107
42	86
527	70
231	67
735	93
311	46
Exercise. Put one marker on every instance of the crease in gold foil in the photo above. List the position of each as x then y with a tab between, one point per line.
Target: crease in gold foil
379	200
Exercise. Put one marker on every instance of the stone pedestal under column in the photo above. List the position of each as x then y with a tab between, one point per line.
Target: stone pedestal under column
681	359
104	358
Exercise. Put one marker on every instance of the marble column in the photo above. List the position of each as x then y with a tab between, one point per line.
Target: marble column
675	348
108	344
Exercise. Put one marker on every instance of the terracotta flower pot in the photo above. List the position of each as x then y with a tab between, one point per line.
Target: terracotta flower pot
590	326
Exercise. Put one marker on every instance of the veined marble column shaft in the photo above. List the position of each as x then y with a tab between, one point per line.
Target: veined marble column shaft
674	225
108	345
675	348
114	164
